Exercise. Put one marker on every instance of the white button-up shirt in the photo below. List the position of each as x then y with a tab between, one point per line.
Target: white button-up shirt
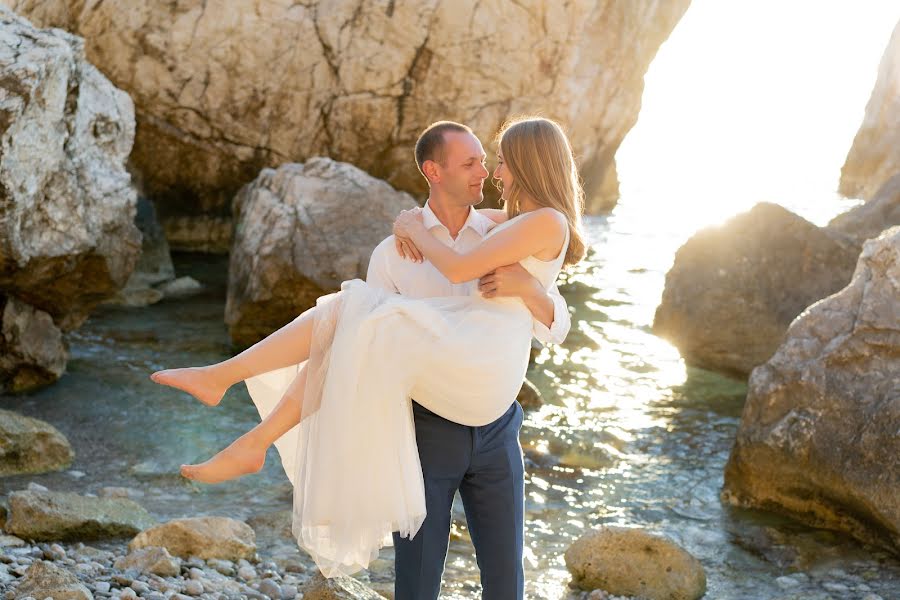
390	271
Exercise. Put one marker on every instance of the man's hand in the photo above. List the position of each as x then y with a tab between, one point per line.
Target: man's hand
511	280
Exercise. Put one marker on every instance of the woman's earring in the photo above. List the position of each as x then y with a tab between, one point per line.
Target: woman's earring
498	183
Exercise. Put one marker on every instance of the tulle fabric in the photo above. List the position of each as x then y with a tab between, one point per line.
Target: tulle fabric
353	459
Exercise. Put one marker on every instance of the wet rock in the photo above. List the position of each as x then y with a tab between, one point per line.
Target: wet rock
735	288
818	435
873	158
151	559
32	351
529	396
633	562
203	537
66	516
181	287
369	79
67	236
45	580
301	230
337	588
30	445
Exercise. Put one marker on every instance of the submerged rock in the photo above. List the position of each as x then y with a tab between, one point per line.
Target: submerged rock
203	537
30	445
634	562
874	156
369	78
818	435
61	516
734	289
67	236
300	231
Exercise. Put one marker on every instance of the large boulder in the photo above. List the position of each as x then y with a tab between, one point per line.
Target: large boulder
300	231
43	579
874	156
39	515
32	350
734	289
67	236
818	434
31	446
204	537
632	562
220	94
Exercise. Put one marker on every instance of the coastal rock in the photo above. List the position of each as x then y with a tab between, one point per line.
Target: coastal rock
67	237
369	78
874	156
633	562
29	445
32	350
337	588
301	230
818	435
203	537
44	579
61	516
151	559
870	219
529	396
734	289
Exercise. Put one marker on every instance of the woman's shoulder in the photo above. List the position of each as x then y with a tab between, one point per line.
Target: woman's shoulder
550	218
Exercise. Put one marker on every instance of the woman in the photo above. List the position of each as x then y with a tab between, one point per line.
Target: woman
342	373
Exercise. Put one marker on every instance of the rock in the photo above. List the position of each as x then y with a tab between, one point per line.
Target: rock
870	219
204	537
46	580
818	435
633	562
11	541
337	588
30	445
192	587
873	158
734	289
62	516
270	588
150	559
32	351
529	396
301	230
275	524
120	492
369	79
67	236
180	288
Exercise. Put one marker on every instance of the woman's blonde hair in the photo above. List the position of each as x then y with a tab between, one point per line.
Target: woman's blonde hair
539	156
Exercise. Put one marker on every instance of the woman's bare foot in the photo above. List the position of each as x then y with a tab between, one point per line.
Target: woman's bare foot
200	382
242	457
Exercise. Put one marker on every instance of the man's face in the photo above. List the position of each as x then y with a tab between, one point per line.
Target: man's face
463	172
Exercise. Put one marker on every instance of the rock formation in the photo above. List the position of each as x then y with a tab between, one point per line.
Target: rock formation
874	156
818	435
224	90
300	231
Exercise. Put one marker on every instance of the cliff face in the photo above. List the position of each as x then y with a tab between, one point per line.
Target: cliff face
875	155
224	89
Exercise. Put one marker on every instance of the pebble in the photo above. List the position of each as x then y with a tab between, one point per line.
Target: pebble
833	586
128	594
270	589
36	487
872	597
786	582
247	572
140	587
195	573
102	587
193	587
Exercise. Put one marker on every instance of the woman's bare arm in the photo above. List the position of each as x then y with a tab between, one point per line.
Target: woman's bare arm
533	233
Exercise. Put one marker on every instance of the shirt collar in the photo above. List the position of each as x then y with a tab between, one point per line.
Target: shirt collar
476	221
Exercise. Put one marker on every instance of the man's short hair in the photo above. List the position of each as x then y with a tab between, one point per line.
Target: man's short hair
430	145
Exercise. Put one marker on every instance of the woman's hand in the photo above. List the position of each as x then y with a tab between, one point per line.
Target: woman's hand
406	248
408	223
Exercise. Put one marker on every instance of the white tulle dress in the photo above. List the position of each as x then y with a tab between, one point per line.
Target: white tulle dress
353	459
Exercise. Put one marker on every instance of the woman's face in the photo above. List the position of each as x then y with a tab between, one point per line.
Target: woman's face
502	173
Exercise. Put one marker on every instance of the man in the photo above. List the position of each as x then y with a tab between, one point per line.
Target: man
484	463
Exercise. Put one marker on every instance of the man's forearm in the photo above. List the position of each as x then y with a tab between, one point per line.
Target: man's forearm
540	304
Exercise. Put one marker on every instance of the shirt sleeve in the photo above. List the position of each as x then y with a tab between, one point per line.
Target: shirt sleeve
379	273
562	322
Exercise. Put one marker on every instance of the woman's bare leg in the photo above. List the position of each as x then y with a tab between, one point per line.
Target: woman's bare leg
247	454
287	346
